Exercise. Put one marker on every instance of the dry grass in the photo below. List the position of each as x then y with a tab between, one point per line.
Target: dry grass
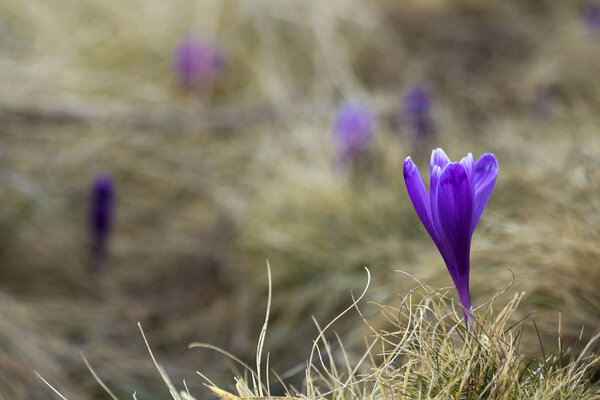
427	353
423	352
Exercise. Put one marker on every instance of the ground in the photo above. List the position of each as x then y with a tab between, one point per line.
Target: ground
212	182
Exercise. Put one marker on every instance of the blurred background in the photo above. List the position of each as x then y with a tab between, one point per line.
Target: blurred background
154	155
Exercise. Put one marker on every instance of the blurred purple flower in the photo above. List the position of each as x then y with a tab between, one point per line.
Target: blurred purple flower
353	131
101	214
459	191
591	17
417	101
197	62
417	107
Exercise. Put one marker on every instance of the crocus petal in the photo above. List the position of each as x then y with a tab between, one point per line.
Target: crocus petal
433	185
485	171
452	221
438	158
418	196
445	251
467	162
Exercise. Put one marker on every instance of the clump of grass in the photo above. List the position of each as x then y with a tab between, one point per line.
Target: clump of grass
428	353
424	351
432	355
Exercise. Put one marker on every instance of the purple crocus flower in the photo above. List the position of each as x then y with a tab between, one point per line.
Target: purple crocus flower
417	107
459	192
197	62
591	17
353	131
101	215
